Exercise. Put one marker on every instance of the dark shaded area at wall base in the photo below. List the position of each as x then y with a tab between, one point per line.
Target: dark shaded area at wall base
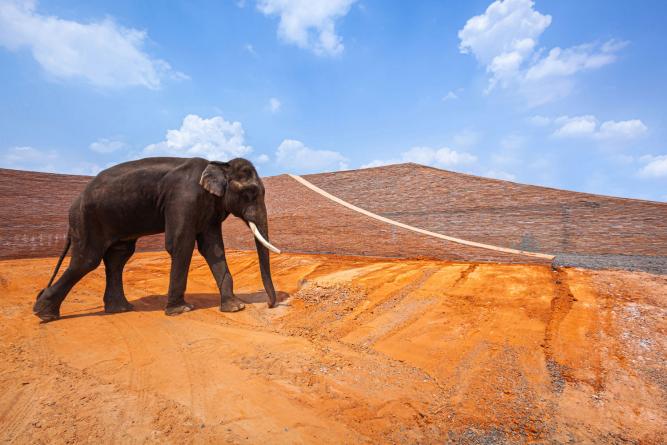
643	263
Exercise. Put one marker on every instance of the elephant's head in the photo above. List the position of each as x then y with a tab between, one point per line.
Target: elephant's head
239	186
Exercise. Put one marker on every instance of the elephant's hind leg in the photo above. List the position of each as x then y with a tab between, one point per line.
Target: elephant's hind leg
84	260
115	259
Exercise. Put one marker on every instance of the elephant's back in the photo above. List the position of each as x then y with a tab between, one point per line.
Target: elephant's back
149	167
129	194
139	176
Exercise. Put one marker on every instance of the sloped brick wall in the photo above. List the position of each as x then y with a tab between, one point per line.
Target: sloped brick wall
34	213
303	221
34	207
504	213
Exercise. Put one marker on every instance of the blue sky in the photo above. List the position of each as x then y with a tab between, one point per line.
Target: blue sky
561	93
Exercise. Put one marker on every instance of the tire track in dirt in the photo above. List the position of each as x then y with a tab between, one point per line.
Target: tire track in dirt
283	367
137	380
409	314
412	313
381	307
131	363
323	339
325	375
460	381
519	414
196	405
599	329
561	307
131	329
312	275
323	342
561	304
606	331
138	352
464	274
319	338
409	310
14	418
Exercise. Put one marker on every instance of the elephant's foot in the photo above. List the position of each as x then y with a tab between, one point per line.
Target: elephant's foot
178	308
44	309
118	307
231	304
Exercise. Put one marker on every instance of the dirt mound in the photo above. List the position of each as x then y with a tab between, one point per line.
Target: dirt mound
359	350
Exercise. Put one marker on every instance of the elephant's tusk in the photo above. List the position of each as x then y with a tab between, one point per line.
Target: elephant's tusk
260	238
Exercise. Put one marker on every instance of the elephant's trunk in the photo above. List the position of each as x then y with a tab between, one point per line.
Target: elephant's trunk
263	246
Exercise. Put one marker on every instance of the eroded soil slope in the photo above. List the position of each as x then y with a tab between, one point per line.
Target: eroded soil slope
359	351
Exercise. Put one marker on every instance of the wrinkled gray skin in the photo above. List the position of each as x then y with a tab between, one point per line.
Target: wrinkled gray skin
187	199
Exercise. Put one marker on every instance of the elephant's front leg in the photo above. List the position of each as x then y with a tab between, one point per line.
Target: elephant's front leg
211	247
180	243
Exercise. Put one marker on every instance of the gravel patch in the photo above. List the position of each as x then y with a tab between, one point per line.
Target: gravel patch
643	263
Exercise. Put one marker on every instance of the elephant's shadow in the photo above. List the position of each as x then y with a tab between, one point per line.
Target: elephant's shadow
154	303
151	303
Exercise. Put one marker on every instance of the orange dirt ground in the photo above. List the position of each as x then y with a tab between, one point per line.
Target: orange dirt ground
360	350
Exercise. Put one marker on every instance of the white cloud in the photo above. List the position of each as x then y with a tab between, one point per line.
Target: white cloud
250	48
444	157
500	174
274	105
102	53
451	95
505	27
213	138
465	138
622	130
296	156
539	121
25	156
380	163
587	126
576	126
566	62
262	159
309	24
656	166
504	39
104	145
33	159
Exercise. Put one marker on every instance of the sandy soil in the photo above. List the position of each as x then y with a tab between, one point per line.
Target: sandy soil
359	351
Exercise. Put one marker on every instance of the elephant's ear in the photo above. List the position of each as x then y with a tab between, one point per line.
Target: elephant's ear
214	177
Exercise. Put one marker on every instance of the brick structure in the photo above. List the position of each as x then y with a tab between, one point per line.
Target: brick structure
34	213
504	213
301	220
34	207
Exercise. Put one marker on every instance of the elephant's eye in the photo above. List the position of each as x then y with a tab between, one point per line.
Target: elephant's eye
248	195
246	173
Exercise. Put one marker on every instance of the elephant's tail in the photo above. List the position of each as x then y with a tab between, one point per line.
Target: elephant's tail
60	260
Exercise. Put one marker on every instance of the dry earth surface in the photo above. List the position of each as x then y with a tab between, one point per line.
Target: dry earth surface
360	350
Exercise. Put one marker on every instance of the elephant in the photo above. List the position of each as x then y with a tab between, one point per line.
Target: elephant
187	199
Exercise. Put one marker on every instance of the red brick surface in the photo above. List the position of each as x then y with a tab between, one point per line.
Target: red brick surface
504	213
34	213
301	220
34	206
